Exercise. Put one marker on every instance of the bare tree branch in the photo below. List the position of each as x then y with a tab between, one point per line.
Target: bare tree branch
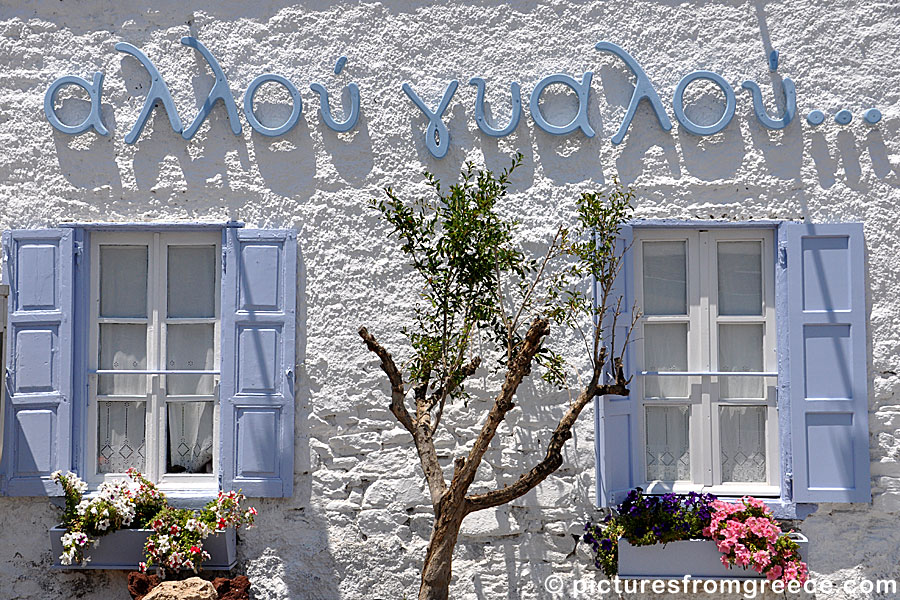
398	392
553	459
421	431
517	370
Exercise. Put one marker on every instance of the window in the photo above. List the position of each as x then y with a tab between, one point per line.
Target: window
168	348
708	307
749	365
155	313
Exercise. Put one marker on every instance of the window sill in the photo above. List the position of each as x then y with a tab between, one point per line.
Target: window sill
177	498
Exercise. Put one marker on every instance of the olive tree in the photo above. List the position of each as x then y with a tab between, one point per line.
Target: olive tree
485	299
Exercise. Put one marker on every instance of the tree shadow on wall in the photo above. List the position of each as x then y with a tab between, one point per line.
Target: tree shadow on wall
526	551
288	554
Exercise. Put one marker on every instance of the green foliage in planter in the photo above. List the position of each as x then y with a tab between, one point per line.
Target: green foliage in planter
646	520
136	503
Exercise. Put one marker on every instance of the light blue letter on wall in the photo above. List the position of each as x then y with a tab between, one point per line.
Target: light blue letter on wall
435	124
583	91
94	90
642	89
219	91
159	91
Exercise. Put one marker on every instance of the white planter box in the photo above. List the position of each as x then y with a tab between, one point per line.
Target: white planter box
698	558
124	549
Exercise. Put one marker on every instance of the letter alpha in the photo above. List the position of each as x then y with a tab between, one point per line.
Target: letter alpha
94	90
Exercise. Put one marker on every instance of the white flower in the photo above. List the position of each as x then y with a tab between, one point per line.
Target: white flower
82	507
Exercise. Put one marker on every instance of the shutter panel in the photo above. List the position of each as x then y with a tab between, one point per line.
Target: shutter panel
616	416
259	291
826	361
38	411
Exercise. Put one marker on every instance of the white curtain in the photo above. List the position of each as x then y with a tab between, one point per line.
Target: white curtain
120	436
742	431
668	443
190	437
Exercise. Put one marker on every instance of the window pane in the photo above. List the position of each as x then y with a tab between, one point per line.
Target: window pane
665	349
120	436
123	347
665	278
191	281
123	281
668	446
741	349
740	278
190	347
190	436
742	430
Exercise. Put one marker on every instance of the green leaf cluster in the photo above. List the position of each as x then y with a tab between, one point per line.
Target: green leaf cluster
479	285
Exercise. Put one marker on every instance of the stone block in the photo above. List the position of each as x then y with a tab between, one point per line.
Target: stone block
356	443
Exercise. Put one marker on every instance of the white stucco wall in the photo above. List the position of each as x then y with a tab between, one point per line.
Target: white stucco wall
358	523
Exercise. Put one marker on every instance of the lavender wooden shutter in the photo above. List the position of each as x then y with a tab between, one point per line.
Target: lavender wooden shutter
826	356
38	423
259	292
616	416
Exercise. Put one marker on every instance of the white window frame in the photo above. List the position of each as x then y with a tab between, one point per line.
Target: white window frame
702	351
157	320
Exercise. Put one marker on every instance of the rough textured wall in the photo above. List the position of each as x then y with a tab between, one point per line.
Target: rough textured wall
358	524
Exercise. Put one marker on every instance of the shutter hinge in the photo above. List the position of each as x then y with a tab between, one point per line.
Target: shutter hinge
782	257
79	250
224	260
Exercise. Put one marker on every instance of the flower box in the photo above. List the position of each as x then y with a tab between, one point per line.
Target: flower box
698	558
124	549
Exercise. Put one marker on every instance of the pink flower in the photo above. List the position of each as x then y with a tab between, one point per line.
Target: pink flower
761	557
774	573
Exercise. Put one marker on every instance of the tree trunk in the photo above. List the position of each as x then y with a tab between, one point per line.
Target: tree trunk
439	559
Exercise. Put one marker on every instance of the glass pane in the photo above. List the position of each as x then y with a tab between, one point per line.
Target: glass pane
665	278
190	436
665	349
191	281
740	278
668	445
190	347
120	436
123	281
741	349
742	433
123	347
